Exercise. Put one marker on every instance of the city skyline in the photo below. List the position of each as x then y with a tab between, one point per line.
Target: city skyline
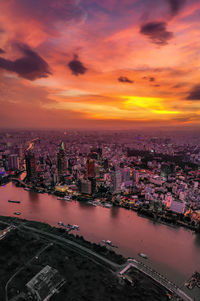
99	64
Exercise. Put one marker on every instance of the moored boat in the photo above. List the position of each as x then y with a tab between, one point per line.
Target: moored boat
143	255
11	201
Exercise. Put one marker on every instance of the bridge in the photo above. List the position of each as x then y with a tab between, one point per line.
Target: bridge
172	287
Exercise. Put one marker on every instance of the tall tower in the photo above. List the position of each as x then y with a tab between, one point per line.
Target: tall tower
61	160
116	181
30	165
13	162
90	168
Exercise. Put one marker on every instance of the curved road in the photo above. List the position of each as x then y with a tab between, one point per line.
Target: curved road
143	268
119	269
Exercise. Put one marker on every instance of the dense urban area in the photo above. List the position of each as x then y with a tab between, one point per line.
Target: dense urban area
156	175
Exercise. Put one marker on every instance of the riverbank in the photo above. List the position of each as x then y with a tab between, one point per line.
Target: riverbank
85	278
165	217
131	233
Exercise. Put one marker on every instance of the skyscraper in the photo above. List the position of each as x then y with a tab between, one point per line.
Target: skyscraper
61	160
90	168
116	181
30	165
13	162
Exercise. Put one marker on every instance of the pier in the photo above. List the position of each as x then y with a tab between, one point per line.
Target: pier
172	287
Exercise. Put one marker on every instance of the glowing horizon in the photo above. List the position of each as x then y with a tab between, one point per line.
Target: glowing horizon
96	63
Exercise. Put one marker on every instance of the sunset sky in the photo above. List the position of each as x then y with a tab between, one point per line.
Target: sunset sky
103	63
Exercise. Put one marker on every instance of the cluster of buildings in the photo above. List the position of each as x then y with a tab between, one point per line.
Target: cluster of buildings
125	169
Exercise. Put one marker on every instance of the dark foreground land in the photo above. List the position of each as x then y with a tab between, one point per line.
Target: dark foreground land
23	253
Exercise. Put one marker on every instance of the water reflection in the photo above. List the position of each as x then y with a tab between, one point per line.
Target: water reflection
33	196
197	240
85	205
114	212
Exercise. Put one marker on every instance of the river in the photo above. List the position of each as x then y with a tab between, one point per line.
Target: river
174	252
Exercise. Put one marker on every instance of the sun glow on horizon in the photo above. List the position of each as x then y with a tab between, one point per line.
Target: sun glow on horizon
98	60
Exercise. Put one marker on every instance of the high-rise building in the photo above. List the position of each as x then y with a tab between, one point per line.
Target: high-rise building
136	176
61	160
90	168
116	181
20	152
30	165
86	187
13	162
105	164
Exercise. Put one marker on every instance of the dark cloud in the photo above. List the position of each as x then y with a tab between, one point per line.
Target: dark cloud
194	93
31	66
188	117
124	79
151	79
175	6
1	51
156	31
76	66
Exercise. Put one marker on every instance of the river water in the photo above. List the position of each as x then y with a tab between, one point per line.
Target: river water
174	252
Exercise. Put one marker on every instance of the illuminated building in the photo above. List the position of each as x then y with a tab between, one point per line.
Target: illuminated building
168	200
116	181
136	176
61	160
126	174
61	188
90	168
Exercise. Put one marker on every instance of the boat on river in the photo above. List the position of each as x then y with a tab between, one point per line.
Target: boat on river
143	255
107	205
11	201
107	242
